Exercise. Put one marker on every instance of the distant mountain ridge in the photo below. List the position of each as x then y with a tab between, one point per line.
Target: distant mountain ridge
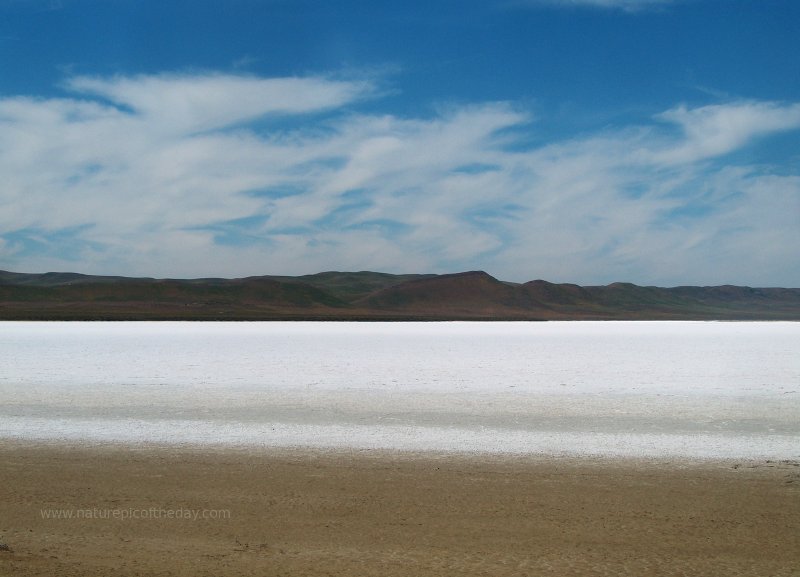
365	295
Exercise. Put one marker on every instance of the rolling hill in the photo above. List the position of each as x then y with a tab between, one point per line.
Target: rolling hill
365	295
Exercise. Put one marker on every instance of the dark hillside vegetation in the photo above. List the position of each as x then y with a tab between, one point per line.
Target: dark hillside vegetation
473	295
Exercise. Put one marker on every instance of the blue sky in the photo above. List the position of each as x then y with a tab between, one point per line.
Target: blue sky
587	141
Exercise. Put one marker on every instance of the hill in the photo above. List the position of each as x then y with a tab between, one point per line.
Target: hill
368	295
472	294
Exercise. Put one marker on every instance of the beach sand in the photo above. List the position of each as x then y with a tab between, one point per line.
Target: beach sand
362	514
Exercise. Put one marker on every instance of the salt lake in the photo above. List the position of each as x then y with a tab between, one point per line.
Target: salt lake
631	389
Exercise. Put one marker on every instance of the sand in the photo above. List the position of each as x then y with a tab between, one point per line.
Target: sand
303	512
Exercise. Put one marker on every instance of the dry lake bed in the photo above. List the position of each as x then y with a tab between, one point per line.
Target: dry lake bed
575	448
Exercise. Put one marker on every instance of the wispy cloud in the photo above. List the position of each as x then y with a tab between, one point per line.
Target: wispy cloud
625	5
719	129
213	101
167	175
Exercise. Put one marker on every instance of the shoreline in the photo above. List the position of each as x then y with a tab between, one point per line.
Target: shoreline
361	513
445	433
180	449
244	450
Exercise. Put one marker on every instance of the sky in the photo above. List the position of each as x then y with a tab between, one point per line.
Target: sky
585	141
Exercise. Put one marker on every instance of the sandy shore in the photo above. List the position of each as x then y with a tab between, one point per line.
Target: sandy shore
314	513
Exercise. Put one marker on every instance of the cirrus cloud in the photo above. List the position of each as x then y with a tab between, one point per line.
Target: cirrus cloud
212	101
625	5
210	175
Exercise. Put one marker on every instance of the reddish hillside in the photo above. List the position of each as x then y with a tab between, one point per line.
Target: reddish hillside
473	294
376	296
547	293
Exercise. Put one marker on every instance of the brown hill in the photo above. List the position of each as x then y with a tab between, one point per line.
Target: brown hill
351	286
547	293
473	294
376	296
248	298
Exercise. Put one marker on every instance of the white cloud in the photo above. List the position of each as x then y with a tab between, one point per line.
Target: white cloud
156	176
715	130
626	5
213	101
